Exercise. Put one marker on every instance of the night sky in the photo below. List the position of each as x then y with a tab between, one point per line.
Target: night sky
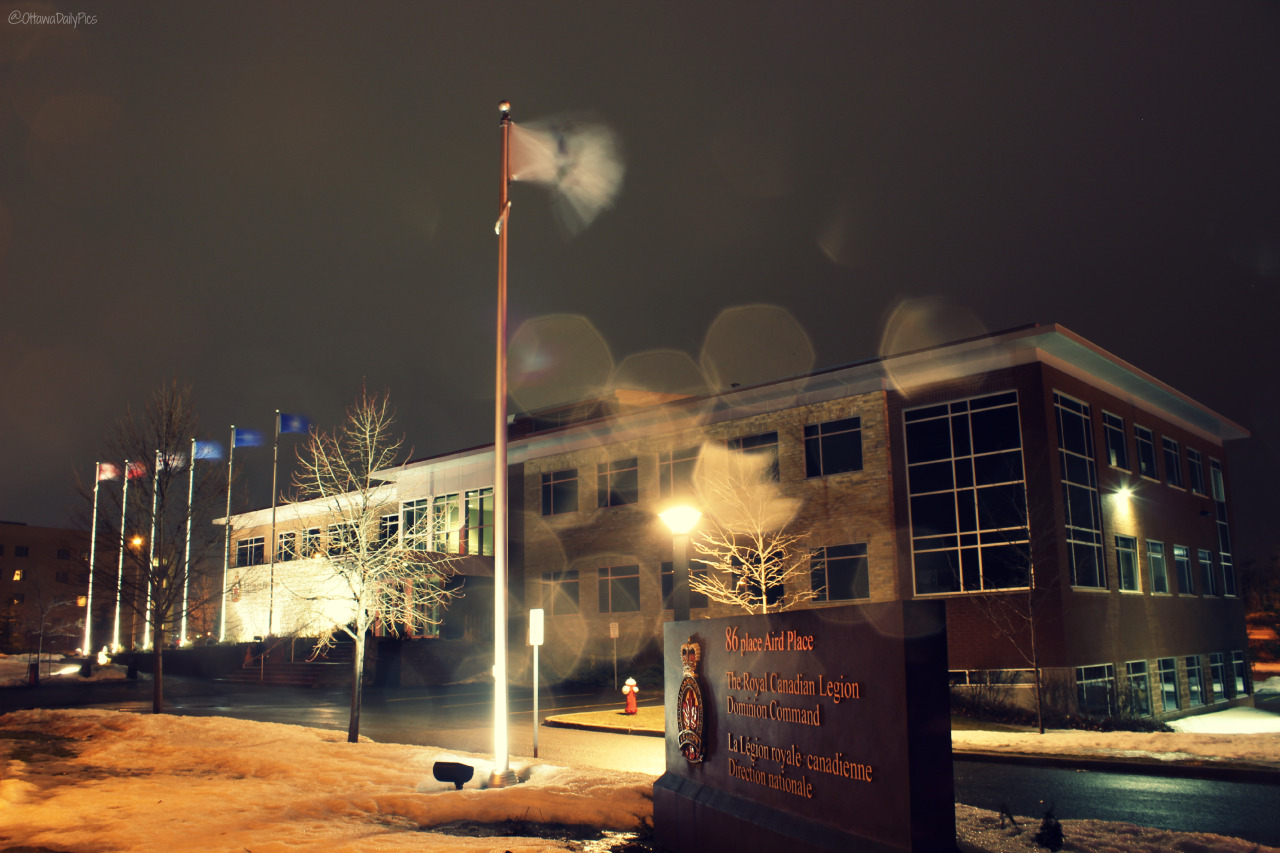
274	202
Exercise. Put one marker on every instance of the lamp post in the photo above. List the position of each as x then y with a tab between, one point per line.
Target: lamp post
681	520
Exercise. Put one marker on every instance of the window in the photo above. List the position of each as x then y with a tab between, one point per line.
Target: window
1240	674
478	504
311	542
1139	694
17	598
1080	492
388	530
286	546
1182	563
1117	449
63	554
1127	562
619	588
415	521
1168	670
1	550
249	552
1146	452
21	551
82	601
62	577
1224	532
1195	471
342	538
839	573
618	482
1095	689
1218	676
560	592
1159	573
446	524
696	599
765	444
833	447
675	471
1195	682
1207	586
966	495
1172	464
560	492
17	574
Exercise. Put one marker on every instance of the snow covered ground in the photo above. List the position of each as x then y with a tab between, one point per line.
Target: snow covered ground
106	780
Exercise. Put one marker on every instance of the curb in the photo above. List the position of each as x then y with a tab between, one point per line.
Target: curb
1180	769
591	727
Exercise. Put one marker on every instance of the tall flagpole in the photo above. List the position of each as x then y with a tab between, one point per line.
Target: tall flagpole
226	547
186	561
93	553
124	514
151	556
271	544
502	775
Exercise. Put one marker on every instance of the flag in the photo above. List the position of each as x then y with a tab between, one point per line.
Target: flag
107	471
172	460
208	450
579	161
134	470
294	423
247	438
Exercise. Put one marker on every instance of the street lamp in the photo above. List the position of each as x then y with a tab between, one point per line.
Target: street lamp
681	520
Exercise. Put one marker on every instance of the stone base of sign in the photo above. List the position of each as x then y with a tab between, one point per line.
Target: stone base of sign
890	660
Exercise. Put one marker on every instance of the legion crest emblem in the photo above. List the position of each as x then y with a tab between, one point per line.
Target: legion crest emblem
689	708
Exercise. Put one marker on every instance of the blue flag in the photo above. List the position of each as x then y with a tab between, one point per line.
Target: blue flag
294	423
208	450
247	438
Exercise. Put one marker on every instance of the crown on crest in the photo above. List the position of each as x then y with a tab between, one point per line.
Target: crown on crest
690	654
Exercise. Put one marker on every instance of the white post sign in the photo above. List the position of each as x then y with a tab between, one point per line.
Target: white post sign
535	640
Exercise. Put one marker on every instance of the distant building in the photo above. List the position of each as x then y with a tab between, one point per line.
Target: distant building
43	587
1026	478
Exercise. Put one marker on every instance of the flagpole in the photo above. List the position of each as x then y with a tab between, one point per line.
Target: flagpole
271	544
226	547
502	775
151	556
93	552
124	514
186	561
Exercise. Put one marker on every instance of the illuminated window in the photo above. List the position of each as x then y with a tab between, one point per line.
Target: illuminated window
82	600
1159	572
1195	471
1182	564
764	445
833	447
839	573
446	521
675	471
618	482
696	599
479	521
287	546
1146	452
560	491
415	521
1172	462
17	574
1127	562
1080	492
560	592
619	588
1117	448
249	552
1168	671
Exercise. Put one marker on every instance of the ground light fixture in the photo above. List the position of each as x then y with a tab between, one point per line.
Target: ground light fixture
680	520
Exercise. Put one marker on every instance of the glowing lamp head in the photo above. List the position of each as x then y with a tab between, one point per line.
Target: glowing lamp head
136	541
504	107
681	519
1124	493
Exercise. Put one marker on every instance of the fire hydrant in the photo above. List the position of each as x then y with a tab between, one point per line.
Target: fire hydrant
630	691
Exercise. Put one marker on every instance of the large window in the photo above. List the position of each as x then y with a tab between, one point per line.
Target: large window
342	538
560	491
388	530
1172	462
1195	471
560	592
1127	562
311	542
1240	675
833	447
619	588
416	523
1224	532
1168	669
675	472
839	573
696	599
446	524
1139	694
1195	682
1080	492
479	511
618	482
1159	571
1146	452
765	445
1207	585
1218	676
1096	689
287	546
1182	563
967	495
1117	448
249	552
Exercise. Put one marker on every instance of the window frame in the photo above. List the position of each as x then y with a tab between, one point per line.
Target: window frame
250	551
1148	464
557	587
822	439
1204	557
1172	462
1196	688
1113	434
759	444
1127	562
1167	671
1182	567
618	482
1195	472
618	583
1155	550
857	564
564	483
675	471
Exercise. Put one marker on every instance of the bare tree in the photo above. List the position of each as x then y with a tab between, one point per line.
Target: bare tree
161	583
50	616
369	573
755	560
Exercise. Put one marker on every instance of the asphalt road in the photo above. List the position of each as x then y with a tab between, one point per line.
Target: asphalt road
458	718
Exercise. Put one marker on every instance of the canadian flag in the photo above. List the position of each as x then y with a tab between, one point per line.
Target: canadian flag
107	471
